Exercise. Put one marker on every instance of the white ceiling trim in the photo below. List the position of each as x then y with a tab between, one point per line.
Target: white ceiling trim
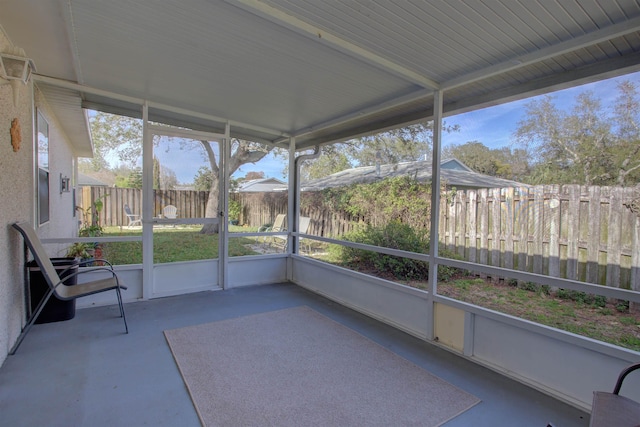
67	15
139	101
396	102
602	35
279	17
185	133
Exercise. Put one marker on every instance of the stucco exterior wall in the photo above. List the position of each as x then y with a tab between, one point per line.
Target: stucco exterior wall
16	204
17	198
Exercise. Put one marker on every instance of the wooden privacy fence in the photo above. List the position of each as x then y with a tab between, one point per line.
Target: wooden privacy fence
190	204
261	208
575	232
590	234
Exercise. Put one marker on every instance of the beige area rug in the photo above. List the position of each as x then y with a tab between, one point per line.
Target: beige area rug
296	367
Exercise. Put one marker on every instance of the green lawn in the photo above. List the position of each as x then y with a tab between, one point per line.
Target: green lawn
172	244
588	315
594	317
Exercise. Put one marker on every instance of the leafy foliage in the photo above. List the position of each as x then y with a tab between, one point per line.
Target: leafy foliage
234	209
203	179
331	161
585	145
394	235
115	136
91	218
401	198
501	162
409	143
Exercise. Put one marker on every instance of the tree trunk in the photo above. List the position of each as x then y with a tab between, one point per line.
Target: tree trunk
245	152
211	210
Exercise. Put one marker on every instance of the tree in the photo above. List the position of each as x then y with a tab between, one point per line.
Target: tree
163	177
627	136
331	161
135	179
114	136
203	180
254	175
586	145
242	152
501	162
409	143
121	137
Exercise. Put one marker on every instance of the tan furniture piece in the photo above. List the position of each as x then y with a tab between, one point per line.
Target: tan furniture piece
303	226
613	410
58	288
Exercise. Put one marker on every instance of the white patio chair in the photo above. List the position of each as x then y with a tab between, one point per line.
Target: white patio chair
170	212
133	219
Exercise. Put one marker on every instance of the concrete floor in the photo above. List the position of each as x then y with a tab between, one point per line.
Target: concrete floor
86	372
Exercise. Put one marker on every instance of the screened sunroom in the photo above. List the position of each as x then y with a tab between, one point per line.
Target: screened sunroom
296	76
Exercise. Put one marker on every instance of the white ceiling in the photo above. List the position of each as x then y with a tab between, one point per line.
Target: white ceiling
320	71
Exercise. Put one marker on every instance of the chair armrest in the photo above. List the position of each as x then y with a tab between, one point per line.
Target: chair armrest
108	268
623	375
92	260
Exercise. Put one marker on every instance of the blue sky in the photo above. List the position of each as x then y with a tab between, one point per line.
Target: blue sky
493	126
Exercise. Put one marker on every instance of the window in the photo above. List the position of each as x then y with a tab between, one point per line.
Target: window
43	169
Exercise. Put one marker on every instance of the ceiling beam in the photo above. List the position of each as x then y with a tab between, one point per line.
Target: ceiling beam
82	89
590	39
610	68
363	112
277	16
603	70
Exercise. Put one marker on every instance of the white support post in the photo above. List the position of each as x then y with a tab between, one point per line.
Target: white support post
435	209
147	205
223	224
292	210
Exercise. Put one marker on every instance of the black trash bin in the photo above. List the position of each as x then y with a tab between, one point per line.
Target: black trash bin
55	310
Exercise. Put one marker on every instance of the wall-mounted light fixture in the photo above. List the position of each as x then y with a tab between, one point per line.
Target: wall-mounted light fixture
15	68
65	184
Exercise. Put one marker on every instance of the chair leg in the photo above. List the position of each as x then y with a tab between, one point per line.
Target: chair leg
124	318
30	322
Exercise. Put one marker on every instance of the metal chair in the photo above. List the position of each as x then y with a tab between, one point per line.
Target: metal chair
57	287
133	219
303	226
613	410
279	224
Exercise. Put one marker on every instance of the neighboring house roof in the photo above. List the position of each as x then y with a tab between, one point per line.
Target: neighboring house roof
89	181
453	173
262	185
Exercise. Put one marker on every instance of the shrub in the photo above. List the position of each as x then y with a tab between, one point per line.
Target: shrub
622	306
394	235
234	210
582	297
